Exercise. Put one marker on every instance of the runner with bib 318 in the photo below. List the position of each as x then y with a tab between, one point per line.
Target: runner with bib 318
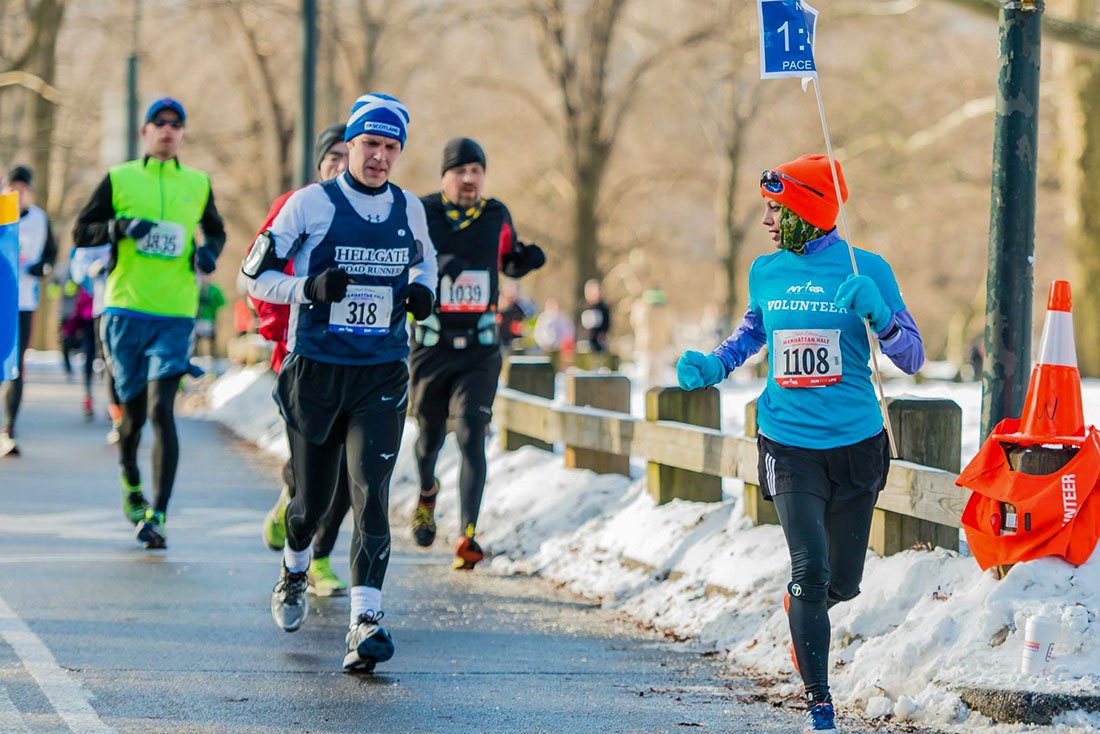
824	454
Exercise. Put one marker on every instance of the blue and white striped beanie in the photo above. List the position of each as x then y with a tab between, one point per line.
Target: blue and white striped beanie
378	114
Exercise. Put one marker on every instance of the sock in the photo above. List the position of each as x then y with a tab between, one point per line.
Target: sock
297	561
115	411
427	496
364	599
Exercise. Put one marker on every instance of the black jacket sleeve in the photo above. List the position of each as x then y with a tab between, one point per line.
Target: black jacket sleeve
519	259
213	227
94	224
49	252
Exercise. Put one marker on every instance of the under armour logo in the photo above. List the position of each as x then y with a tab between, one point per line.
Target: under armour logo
387	457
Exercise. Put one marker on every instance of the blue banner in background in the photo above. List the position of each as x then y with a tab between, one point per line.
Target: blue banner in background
9	286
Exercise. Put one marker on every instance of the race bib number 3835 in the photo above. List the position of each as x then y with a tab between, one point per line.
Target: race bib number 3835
366	309
165	239
806	357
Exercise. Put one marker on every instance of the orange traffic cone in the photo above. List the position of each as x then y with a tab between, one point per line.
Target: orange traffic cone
1052	408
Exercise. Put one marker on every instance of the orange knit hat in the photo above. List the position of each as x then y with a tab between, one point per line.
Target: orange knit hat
805	186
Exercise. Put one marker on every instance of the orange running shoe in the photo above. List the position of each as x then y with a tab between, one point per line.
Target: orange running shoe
467	553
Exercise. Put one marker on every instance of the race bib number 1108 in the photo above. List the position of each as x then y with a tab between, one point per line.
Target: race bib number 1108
806	357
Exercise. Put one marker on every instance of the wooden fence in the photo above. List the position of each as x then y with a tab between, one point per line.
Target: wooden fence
687	455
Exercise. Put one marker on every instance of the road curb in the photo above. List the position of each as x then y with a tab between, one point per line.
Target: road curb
1025	707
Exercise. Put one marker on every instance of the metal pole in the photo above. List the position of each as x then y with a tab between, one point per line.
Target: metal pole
132	89
308	92
1007	359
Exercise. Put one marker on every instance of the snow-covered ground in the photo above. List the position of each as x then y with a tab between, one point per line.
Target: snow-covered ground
926	622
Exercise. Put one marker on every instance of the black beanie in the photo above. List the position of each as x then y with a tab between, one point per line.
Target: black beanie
461	151
329	136
21	174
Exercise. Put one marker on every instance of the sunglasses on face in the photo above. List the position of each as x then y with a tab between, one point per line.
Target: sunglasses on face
162	121
773	182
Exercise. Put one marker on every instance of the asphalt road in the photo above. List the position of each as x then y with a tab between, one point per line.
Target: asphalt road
99	636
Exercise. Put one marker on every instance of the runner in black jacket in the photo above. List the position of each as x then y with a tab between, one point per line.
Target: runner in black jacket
455	359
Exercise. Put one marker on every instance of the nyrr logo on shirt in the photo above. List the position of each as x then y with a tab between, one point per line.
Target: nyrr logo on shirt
808	288
386	262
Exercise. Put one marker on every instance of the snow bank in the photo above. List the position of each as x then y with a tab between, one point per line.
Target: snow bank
926	622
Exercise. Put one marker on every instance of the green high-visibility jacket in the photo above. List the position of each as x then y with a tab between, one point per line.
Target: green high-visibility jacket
155	275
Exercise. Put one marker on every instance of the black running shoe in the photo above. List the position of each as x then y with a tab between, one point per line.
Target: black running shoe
368	643
423	525
289	603
150	531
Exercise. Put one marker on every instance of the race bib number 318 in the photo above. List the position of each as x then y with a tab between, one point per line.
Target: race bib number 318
366	309
806	357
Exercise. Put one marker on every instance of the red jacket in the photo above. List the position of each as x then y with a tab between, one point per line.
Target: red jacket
274	317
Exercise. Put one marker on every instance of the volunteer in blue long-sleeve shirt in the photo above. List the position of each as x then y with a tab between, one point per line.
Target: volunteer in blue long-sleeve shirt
824	454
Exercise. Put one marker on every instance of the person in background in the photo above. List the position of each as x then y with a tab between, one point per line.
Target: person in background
37	255
595	318
515	311
150	210
455	360
211	301
553	329
88	266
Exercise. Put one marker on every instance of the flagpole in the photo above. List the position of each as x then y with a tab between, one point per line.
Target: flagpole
872	340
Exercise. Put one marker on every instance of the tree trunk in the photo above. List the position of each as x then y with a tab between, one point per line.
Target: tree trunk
1079	75
43	111
586	221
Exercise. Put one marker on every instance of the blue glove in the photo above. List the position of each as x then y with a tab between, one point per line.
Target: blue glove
206	260
861	296
695	370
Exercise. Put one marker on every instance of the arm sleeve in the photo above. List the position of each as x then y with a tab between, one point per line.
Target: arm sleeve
94	222
423	269
213	228
901	342
303	222
745	341
513	254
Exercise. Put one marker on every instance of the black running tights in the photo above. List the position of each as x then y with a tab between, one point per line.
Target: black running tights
14	392
470	434
166	446
324	540
828	544
372	441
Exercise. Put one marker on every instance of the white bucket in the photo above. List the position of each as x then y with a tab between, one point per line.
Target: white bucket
1040	635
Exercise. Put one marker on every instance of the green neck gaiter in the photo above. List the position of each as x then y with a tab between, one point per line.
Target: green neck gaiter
795	232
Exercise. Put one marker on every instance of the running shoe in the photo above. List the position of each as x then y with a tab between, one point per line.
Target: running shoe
150	532
8	447
468	553
113	435
423	525
787	610
368	643
274	532
322	580
89	414
821	717
115	412
289	603
134	504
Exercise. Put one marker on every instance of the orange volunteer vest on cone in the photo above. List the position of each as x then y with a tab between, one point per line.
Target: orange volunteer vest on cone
1055	514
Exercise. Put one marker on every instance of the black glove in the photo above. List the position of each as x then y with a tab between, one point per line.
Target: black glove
328	287
533	257
451	266
206	260
136	228
39	269
419	301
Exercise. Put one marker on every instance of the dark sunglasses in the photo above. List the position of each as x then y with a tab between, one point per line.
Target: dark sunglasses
162	121
773	182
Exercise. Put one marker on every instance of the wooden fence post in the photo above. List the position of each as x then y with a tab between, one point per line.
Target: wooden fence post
696	407
757	509
609	392
534	376
927	431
